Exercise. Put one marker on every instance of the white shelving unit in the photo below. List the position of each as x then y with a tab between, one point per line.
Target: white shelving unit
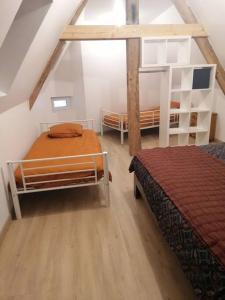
165	51
181	82
181	88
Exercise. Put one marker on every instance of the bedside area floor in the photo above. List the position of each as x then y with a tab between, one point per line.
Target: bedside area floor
69	247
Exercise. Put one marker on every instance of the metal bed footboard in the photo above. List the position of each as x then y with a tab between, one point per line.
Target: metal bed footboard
31	183
121	125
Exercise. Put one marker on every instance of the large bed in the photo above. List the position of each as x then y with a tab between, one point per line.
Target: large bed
191	218
60	163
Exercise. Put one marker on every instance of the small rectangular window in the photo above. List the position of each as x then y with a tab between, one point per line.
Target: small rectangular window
2	94
61	103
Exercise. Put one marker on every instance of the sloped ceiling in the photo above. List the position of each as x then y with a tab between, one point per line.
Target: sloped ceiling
150	9
210	13
31	12
101	11
39	52
8	10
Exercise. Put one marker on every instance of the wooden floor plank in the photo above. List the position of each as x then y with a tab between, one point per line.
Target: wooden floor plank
69	247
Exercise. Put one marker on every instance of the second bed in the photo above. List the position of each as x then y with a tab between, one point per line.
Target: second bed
61	162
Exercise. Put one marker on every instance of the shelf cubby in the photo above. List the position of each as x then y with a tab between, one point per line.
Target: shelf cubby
201	100
184	98
183	139
178	50
202	138
153	52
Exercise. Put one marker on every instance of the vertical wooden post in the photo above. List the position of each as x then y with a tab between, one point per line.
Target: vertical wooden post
133	59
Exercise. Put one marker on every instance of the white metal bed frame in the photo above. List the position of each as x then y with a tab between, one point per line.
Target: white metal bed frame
122	125
27	186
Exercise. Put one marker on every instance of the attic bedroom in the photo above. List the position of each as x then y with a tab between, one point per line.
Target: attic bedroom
112	160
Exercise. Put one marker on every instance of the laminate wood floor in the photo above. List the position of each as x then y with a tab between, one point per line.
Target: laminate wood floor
69	247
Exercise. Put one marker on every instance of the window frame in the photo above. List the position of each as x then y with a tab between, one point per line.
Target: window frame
62	108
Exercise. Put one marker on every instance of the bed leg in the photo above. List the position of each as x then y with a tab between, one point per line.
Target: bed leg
106	179
16	204
107	195
15	197
137	193
122	137
102	130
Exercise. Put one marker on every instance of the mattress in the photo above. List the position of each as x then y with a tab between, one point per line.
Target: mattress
148	118
204	268
73	170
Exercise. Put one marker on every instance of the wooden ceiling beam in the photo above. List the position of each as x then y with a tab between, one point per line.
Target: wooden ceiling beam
203	43
111	32
54	57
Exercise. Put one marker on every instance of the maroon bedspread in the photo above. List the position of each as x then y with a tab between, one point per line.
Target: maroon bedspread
195	183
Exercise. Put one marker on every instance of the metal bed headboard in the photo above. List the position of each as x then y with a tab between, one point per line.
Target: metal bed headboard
87	124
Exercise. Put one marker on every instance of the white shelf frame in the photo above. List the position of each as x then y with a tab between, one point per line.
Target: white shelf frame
186	95
161	45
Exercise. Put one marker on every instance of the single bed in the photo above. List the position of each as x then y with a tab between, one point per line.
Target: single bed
148	119
193	219
60	163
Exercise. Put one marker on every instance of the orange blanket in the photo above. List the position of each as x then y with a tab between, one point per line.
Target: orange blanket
45	147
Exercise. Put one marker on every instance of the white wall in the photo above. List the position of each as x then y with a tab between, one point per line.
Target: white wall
39	52
18	126
8	10
104	63
4	210
211	14
151	9
98	78
94	79
67	80
25	26
18	130
104	76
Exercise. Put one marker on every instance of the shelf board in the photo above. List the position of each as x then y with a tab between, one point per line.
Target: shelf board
190	90
199	110
187	66
195	66
179	111
154	69
173	131
177	131
180	90
197	129
202	90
